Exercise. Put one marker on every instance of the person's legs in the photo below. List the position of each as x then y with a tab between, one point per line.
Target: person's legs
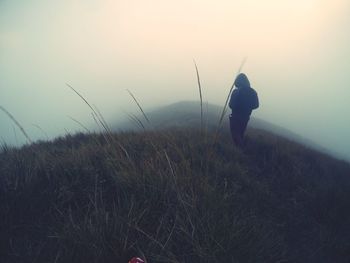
243	126
235	130
238	125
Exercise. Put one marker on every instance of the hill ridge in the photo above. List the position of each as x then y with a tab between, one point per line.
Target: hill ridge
186	113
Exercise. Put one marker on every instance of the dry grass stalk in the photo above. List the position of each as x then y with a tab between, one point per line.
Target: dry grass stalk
17	123
200	93
138	105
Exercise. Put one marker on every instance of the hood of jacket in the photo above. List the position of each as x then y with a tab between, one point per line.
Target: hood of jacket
242	81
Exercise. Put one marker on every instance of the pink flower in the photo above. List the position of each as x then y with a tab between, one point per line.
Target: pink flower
136	260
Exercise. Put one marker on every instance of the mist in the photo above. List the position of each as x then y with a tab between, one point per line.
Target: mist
297	60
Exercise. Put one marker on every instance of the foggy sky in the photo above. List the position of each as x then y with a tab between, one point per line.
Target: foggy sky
298	61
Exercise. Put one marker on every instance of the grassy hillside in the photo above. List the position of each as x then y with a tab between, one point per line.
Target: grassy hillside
172	196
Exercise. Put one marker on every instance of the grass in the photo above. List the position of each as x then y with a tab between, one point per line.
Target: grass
200	93
172	196
13	119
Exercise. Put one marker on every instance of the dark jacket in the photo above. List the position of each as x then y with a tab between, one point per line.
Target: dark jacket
244	99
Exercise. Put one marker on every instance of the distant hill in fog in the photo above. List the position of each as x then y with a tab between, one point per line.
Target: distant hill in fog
187	114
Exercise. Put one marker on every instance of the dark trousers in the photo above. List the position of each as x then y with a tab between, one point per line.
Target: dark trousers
238	125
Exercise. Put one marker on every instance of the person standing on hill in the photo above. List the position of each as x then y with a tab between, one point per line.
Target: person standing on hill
243	101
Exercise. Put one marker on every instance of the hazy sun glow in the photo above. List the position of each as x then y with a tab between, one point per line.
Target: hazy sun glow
249	26
140	29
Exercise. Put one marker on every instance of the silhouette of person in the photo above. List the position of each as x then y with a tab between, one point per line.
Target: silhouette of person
243	100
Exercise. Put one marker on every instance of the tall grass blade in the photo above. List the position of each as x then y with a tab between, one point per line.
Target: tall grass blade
138	105
102	120
41	129
138	122
17	123
224	110
80	124
95	113
81	96
200	93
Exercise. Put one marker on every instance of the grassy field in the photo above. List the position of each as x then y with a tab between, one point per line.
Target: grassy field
172	196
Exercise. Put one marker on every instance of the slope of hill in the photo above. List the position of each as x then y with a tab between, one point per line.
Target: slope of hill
173	196
187	114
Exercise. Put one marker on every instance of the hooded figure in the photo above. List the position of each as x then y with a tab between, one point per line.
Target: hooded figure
243	100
